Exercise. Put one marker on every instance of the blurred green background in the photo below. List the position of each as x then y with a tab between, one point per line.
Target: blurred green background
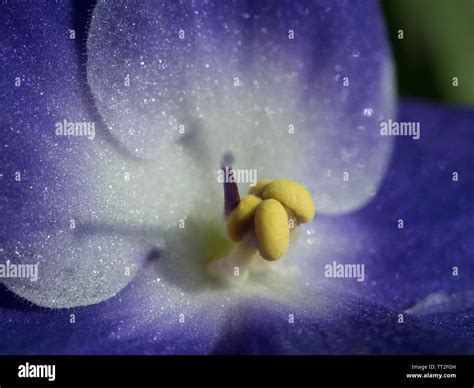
437	45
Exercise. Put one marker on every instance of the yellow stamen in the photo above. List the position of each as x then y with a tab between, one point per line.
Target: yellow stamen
292	195
285	204
241	219
271	229
259	187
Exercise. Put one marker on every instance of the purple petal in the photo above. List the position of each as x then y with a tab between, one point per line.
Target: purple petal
348	325
51	185
404	266
353	325
142	319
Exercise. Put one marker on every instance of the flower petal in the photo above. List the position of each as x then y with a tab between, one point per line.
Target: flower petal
346	325
343	324
265	81
430	258
136	321
52	188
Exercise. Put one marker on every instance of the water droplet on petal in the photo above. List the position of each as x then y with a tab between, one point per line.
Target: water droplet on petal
368	112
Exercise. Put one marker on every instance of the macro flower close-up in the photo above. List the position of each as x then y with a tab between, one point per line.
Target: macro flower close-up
227	177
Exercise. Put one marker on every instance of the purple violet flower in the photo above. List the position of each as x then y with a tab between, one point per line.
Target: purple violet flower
112	139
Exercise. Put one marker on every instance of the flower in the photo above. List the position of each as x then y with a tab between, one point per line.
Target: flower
118	220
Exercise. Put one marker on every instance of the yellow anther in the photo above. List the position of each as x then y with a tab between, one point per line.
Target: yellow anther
271	229
292	195
270	211
259	187
240	221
